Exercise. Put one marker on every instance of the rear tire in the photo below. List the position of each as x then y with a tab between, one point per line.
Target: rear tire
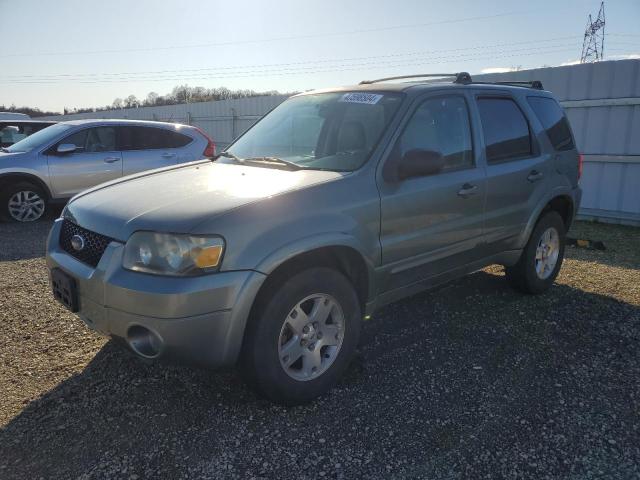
301	336
541	258
22	202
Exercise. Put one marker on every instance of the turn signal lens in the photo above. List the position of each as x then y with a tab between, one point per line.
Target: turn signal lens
208	257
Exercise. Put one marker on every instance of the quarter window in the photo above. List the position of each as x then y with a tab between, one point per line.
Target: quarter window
505	128
440	125
554	122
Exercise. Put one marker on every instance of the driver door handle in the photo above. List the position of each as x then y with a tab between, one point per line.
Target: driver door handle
534	176
168	155
111	159
467	190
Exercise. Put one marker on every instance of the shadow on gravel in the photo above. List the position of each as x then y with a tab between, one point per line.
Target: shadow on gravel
23	241
470	380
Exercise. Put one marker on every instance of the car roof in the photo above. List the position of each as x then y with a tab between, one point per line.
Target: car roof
27	122
124	121
417	87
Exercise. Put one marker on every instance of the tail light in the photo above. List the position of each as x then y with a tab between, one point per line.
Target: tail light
210	149
580	161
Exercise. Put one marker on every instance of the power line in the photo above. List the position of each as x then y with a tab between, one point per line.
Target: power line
275	65
593	44
332	68
273	39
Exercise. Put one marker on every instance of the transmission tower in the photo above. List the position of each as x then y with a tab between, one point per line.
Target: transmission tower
593	44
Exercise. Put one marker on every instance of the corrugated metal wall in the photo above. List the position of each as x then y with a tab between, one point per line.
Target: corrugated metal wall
602	101
223	120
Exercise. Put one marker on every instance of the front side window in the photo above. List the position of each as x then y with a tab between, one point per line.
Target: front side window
505	128
554	121
39	139
332	131
440	125
100	139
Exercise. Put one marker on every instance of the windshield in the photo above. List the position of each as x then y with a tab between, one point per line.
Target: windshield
332	131
42	137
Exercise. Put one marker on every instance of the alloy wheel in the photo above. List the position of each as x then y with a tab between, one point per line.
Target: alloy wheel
26	206
547	253
311	337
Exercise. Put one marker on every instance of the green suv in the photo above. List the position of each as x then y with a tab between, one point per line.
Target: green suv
337	202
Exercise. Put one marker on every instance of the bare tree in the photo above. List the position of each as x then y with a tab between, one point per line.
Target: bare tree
117	103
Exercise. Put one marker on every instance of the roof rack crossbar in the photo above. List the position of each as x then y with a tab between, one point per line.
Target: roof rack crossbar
461	77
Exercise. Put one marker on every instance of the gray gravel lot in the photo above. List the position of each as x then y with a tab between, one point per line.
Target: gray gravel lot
472	380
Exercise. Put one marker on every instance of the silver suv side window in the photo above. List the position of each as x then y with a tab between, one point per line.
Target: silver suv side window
506	130
99	139
442	125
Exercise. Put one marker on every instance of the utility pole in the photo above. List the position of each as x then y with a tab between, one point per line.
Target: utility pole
593	44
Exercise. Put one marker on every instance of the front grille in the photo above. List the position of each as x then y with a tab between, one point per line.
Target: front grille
94	243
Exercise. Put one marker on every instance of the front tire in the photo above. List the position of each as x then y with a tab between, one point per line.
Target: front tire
22	202
301	336
541	258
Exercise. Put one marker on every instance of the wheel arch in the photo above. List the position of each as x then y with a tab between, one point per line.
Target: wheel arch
558	201
15	177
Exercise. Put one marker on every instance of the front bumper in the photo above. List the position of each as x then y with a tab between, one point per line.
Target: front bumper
195	319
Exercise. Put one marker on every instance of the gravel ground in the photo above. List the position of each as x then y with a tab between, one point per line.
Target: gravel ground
471	380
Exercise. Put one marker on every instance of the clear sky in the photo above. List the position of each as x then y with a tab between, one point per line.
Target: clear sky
85	53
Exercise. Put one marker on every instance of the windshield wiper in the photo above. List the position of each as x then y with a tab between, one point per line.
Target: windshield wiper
261	160
228	155
273	160
4	150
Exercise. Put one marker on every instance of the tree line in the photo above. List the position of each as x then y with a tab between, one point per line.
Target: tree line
179	94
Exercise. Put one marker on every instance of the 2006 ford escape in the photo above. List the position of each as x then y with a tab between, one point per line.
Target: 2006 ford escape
335	203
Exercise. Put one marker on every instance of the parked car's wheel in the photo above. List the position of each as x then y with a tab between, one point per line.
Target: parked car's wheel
302	336
22	202
542	258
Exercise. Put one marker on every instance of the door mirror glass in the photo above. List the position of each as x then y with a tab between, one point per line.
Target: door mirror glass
420	163
66	148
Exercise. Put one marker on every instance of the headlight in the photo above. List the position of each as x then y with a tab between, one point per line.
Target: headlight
169	254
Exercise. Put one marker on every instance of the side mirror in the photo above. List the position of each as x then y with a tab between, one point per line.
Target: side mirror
66	148
420	163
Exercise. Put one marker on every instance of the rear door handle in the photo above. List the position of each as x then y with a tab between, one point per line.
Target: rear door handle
467	190
534	176
168	155
111	159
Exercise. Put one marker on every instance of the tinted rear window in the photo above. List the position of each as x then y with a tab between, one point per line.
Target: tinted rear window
505	128
150	138
554	122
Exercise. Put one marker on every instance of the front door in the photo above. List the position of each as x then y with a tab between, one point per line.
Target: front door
94	161
431	224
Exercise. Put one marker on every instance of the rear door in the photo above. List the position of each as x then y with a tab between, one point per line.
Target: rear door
145	148
432	224
94	161
517	169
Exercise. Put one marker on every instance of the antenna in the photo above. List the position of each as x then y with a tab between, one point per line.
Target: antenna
593	45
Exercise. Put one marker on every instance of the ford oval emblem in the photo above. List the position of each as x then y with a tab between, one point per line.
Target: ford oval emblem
77	242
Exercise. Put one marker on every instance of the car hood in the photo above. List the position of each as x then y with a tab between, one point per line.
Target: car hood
8	157
177	199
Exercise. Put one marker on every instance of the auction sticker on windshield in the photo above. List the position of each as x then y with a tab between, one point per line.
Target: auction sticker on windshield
369	98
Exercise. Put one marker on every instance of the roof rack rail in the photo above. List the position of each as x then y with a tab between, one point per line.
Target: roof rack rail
461	77
536	84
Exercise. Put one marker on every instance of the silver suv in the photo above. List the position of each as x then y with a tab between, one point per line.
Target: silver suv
334	204
59	161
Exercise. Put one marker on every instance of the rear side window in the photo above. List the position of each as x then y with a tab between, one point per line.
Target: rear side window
505	128
554	122
441	125
150	138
